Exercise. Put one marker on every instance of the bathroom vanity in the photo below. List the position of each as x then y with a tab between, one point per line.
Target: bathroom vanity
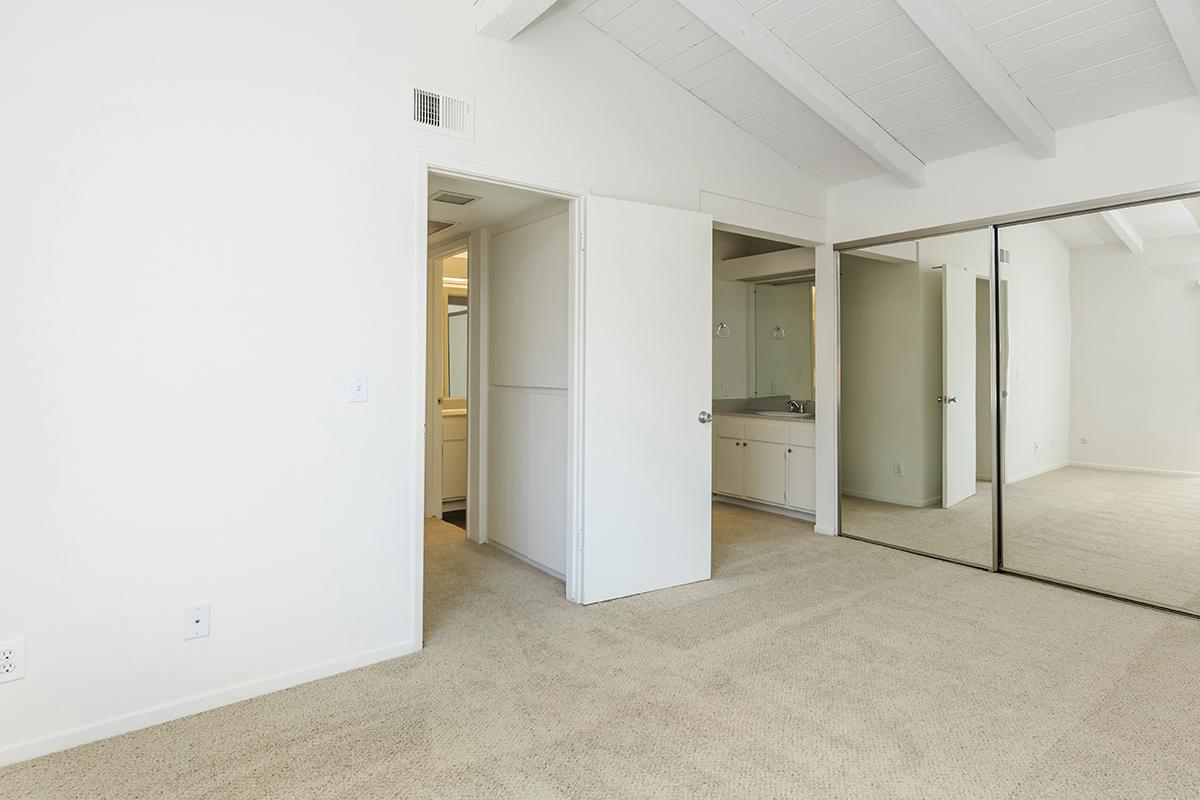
765	458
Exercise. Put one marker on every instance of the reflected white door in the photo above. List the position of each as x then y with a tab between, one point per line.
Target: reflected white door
647	377
958	385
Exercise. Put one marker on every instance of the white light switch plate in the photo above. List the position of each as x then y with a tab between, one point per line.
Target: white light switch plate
356	388
12	660
195	622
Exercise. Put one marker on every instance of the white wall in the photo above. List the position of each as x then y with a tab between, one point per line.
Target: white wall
732	354
527	275
886	397
1143	150
209	214
1135	357
1037	419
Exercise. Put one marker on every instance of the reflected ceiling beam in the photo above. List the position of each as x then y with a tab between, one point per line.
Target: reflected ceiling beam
1192	204
1183	21
1124	230
737	26
940	21
504	19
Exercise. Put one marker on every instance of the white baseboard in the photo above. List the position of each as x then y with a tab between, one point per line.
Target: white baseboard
527	560
1033	473
824	530
1178	473
895	501
806	516
177	709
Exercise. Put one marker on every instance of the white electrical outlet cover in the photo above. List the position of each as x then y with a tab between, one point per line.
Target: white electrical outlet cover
12	660
195	621
356	388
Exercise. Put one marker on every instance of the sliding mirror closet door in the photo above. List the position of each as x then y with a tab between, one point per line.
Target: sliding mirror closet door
916	410
1102	407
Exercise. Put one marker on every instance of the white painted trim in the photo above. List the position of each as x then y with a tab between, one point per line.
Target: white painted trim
927	502
1033	473
1183	22
1178	473
535	564
1123	228
941	22
735	215
504	19
177	709
770	508
477	380
740	28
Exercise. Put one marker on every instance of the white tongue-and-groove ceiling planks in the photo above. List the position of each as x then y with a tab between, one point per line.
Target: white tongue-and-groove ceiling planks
1074	60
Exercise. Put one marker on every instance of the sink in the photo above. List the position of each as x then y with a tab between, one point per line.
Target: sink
786	414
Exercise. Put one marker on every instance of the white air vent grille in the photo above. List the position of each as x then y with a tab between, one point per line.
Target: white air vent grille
451	114
437	226
453	198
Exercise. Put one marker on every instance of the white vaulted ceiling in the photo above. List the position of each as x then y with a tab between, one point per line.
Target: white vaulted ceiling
1073	61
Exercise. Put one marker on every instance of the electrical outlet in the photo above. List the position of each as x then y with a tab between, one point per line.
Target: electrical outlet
1036	447
195	621
356	388
898	469
12	660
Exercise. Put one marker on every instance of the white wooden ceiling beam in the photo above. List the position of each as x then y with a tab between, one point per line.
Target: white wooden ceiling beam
1183	21
504	19
1124	230
940	21
1192	204
737	26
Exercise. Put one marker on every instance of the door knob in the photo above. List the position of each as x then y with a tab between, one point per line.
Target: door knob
940	399
705	417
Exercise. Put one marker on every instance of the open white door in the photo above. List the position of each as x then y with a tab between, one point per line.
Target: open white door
647	385
958	385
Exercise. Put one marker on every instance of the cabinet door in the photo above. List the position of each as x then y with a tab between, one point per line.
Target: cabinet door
801	478
728	467
766	471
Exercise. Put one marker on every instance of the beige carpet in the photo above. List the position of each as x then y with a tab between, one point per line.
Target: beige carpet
962	532
810	667
1128	533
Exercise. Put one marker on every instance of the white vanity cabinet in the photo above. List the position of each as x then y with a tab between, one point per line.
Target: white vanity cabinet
765	460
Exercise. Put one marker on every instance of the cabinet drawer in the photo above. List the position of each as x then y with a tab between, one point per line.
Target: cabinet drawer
802	433
731	427
762	430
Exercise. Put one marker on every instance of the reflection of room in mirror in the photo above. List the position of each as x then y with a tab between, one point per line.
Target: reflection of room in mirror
1102	433
915	442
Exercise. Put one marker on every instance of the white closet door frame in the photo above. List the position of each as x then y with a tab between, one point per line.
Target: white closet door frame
576	197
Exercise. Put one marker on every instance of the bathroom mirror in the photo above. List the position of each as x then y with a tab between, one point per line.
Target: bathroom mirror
783	339
455	383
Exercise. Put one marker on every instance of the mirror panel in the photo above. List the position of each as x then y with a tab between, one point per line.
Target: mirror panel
1101	365
783	339
916	414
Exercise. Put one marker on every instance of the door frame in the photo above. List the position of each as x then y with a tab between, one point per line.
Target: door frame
576	197
434	375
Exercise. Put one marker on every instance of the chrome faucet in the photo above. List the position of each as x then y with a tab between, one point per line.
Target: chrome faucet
794	407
